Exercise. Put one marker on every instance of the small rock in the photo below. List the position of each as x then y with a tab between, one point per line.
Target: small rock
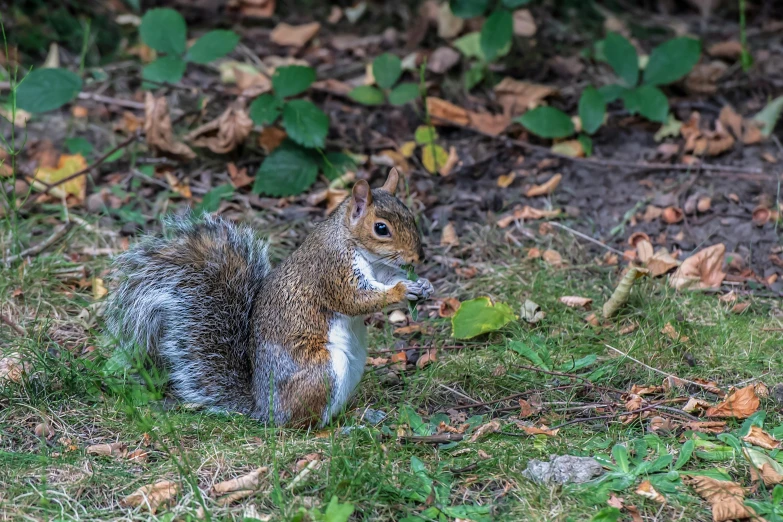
43	430
373	416
777	393
563	469
398	317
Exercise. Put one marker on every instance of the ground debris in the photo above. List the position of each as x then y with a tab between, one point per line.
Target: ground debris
563	469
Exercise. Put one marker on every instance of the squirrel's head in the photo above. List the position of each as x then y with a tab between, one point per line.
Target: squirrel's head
382	224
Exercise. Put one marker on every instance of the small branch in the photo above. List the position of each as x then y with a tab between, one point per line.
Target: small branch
128	104
440	438
15	327
599	417
586	237
656	370
51	240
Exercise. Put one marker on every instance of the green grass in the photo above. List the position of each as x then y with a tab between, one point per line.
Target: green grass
368	467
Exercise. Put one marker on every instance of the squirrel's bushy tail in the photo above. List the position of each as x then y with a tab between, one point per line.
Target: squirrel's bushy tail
186	301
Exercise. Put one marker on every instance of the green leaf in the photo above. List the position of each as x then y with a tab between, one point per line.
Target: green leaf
367	95
513	4
168	69
292	80
79	145
265	109
592	109
579	364
612	92
213	45
768	116
496	33
621	55
760	458
47	89
587	144
648	101
607	514
479	316
547	122
425	134
433	157
404	93
685	454
672	60
469	45
288	171
335	164
409	416
212	199
468	8
777	494
337	512
620	454
386	70
530	354
305	123
474	75
164	30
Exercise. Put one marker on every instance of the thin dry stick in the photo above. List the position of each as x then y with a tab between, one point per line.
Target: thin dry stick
599	417
40	247
10	322
656	370
128	104
586	237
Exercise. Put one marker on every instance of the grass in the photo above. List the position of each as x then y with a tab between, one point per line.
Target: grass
383	478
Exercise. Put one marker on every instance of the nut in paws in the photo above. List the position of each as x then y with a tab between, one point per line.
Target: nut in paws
418	290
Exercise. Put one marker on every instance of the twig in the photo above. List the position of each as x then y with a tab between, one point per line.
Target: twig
599	417
128	104
586	381
15	327
440	438
586	237
455	392
40	247
656	370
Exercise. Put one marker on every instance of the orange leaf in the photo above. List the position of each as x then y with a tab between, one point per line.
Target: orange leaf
546	188
576	302
293	35
151	496
741	404
761	438
701	270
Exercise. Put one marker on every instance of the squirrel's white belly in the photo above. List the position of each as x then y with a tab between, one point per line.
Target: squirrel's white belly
348	353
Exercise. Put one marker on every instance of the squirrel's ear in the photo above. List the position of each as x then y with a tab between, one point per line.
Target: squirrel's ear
391	182
361	199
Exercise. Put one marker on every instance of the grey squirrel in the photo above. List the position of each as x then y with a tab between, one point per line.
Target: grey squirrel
285	345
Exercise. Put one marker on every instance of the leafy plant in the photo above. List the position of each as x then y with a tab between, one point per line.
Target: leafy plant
479	316
165	31
626	470
335	512
293	167
386	69
771	510
667	63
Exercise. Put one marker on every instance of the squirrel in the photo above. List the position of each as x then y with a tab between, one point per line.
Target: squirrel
284	345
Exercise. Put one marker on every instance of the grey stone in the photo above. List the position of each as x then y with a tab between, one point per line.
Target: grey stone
563	469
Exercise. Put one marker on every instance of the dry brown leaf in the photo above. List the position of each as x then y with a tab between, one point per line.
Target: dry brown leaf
445	113
180	187
545	188
767	473
505	180
713	427
740	307
451	162
449	235
704	142
490	427
652	213
12	368
293	35
115	449
151	496
256	8
695	405
661	424
158	131
644	250
138	455
524	24
225	133
622	293
576	302
647	490
730	49
239	177
740	404
430	356
449	25
533	430
726	498
43	429
704	269
526	213
759	437
661	263
251	83
639	389
249	481
270	138
553	258
398	361
443	59
516	96
731	120
669	331
525	408
703	77
377	361
448	306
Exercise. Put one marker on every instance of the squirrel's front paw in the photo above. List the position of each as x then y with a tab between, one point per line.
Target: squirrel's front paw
418	290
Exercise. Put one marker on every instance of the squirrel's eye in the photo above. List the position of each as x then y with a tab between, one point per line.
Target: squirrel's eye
382	229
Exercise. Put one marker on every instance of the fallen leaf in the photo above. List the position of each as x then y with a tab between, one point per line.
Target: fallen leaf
138	455
767	473
546	188
525	213
114	449
398	361
524	24
730	49
533	430
490	427
704	142
695	405
270	138
517	96
151	496
377	361
398	317
257	8
572	148
639	389
534	253
433	157
43	429
740	404
531	312
442	59
249	481
334	15
660	424
644	251
293	35
158	131
672	215
576	301
759	437
740	307
647	490
669	331
451	162
505	180
239	177
224	134
713	427
622	293
661	263
726	498
446	113
731	120
430	356
449	25
701	270
448	307
553	258
499	371
592	319
67	165
651	213
704	77
525	408
180	187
